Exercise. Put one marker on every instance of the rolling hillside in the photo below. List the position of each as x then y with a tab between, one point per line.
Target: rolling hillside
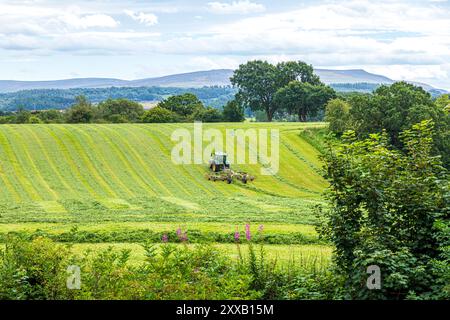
48	169
49	163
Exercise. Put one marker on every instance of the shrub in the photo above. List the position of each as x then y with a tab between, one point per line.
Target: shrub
34	120
184	105
206	115
233	112
384	206
120	110
337	114
160	115
33	270
37	269
81	112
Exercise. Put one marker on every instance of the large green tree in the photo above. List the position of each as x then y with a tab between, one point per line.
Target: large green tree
258	81
303	98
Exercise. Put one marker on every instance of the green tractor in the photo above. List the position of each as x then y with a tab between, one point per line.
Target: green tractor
218	162
220	170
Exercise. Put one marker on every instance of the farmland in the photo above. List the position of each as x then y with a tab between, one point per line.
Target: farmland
102	184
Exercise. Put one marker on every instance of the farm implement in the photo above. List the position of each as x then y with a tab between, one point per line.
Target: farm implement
229	175
221	171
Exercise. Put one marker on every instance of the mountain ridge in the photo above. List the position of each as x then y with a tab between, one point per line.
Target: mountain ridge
216	77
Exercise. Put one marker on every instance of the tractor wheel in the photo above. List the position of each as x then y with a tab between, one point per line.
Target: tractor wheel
229	180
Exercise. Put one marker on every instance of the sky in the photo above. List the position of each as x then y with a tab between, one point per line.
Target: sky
133	39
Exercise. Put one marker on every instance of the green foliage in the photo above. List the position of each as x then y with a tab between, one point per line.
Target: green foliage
22	116
188	108
303	98
396	108
337	114
384	205
184	105
233	112
37	270
443	102
120	110
81	112
160	115
34	120
181	108
51	116
33	270
206	115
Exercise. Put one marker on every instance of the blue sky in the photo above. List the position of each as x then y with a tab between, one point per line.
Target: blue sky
49	39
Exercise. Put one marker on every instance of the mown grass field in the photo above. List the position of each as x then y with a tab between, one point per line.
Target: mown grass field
97	184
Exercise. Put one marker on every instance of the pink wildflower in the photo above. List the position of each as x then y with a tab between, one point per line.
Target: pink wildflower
248	235
237	236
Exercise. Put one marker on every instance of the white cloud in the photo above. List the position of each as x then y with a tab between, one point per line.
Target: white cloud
236	7
89	21
149	19
21	19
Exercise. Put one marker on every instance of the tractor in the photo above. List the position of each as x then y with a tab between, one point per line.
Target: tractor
218	162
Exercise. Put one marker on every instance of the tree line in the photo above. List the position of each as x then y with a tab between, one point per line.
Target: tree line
179	108
45	99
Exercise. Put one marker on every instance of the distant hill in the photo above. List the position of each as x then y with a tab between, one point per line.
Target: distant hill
12	86
184	80
351	76
220	77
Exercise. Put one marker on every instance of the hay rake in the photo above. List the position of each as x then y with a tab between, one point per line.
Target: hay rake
229	176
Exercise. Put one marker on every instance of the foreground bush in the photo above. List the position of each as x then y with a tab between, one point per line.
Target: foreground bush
390	209
38	269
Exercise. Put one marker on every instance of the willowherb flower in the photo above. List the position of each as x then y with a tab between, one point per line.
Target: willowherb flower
248	235
165	238
184	237
237	236
179	232
261	228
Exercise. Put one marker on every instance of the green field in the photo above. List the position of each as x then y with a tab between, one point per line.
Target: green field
95	184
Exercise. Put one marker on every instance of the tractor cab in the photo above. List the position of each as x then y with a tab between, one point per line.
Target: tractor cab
218	162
